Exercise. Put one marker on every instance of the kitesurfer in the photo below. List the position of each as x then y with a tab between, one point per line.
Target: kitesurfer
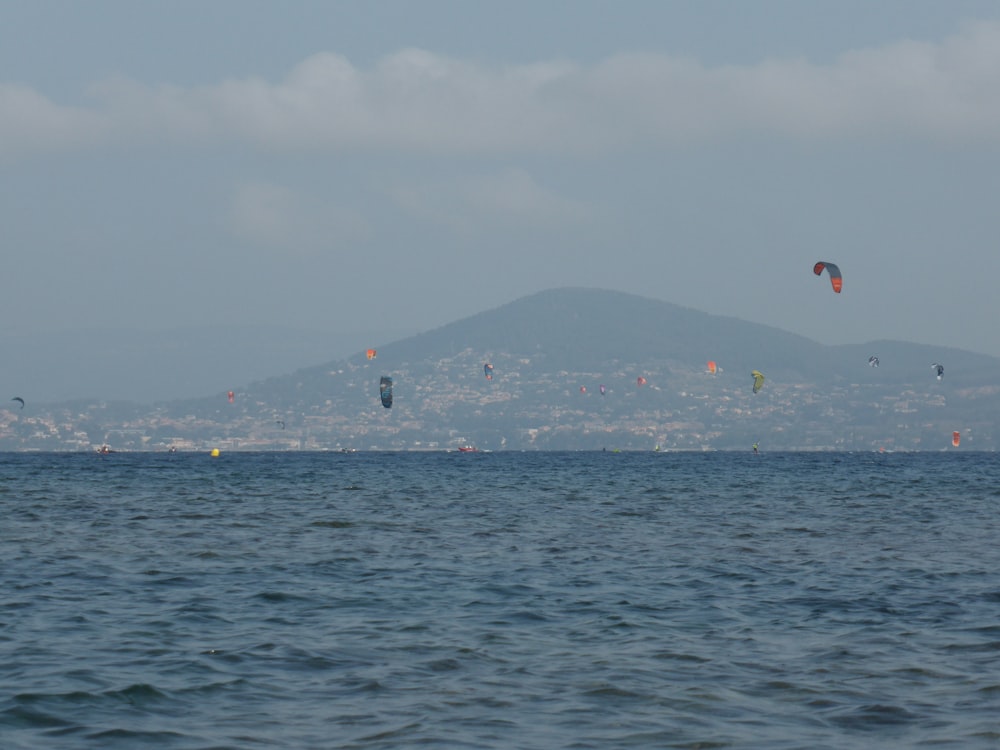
755	450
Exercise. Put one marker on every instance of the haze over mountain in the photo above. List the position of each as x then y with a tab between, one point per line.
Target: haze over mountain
181	363
551	353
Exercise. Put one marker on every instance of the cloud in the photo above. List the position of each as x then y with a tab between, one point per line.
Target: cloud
31	122
417	101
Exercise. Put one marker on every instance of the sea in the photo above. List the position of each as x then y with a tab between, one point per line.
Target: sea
500	600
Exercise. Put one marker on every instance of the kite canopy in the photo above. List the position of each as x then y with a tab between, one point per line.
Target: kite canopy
385	391
19	399
758	380
835	279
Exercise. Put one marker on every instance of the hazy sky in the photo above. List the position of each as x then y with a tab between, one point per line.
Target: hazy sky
345	166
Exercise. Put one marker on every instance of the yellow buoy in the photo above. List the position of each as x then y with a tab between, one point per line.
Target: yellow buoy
215	452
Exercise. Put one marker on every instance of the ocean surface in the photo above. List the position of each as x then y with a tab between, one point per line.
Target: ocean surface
500	600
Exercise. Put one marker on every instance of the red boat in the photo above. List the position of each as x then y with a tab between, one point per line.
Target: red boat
468	449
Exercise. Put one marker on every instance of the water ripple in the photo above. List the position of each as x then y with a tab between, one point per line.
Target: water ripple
531	601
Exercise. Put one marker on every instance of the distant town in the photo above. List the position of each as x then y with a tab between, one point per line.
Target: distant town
563	380
669	412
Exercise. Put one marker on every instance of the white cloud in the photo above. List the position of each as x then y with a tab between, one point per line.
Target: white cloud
31	122
419	101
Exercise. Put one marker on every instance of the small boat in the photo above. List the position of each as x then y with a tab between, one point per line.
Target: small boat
468	449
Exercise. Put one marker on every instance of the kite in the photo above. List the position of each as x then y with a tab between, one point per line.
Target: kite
385	391
835	280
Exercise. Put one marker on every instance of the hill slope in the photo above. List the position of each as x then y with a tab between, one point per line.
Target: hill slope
586	329
592	329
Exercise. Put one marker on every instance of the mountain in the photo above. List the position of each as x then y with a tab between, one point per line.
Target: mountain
586	329
551	352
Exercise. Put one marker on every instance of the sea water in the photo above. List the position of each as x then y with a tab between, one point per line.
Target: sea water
500	600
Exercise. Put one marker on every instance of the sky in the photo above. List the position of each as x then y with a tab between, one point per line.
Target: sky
374	169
